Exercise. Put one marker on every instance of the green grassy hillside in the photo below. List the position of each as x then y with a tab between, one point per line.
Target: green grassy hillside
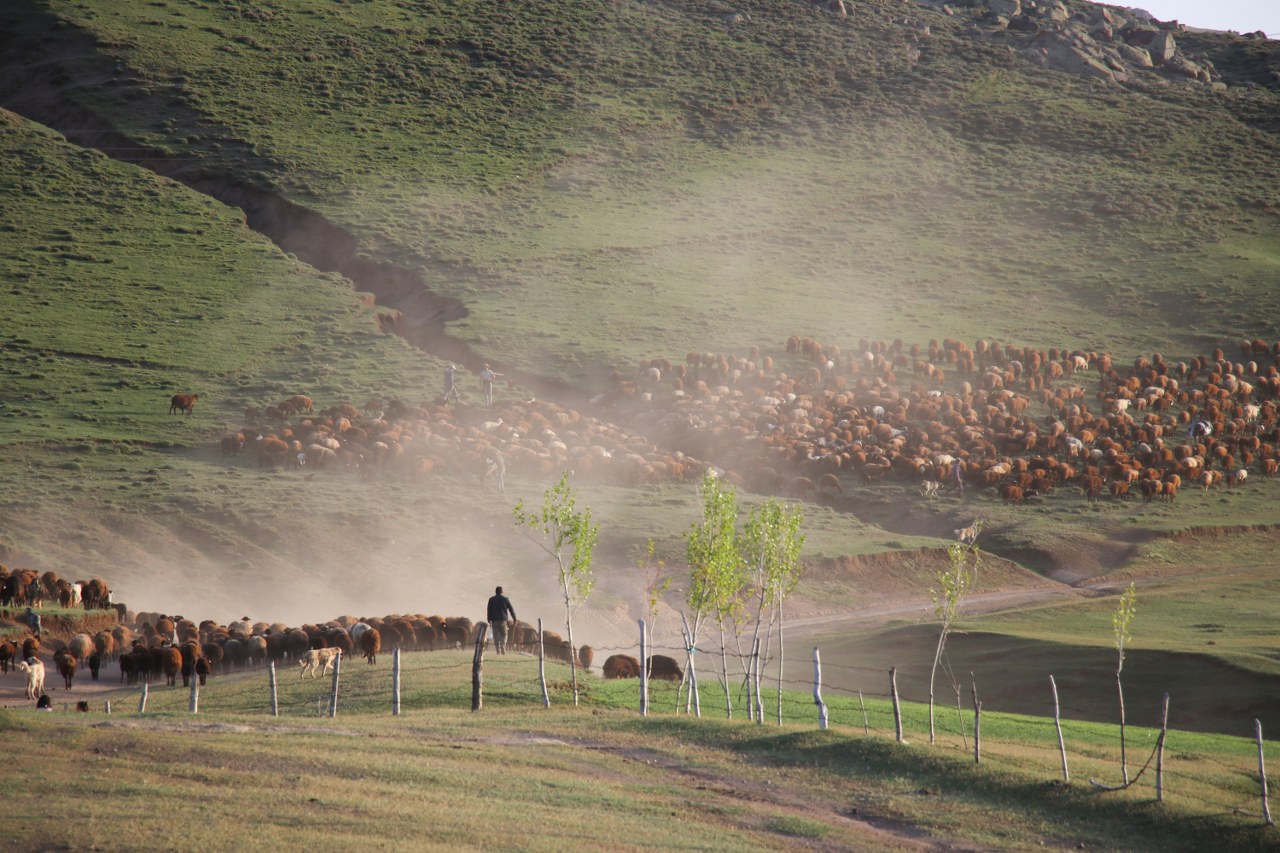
678	176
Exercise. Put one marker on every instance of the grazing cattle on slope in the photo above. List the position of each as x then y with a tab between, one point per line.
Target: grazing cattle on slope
183	403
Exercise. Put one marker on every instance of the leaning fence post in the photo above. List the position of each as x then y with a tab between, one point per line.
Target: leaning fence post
644	670
1057	722
1262	774
395	682
275	695
897	710
477	668
333	687
542	669
142	699
1164	730
823	719
193	703
866	726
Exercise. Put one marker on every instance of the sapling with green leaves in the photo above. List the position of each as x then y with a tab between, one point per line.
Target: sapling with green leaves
1122	627
569	537
715	569
954	583
771	545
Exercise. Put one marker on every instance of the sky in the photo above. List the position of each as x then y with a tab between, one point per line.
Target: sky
1244	16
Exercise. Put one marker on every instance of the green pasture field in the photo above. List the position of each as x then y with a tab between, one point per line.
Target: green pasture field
599	775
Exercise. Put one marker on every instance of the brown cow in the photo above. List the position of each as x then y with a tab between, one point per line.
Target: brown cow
183	403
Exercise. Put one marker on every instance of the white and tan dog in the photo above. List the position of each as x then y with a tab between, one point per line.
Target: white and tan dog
318	659
34	670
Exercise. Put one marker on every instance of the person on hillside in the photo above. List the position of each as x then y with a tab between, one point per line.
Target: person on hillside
957	478
486	383
450	389
33	621
499	609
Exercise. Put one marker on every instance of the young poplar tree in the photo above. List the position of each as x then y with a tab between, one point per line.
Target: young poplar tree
569	537
954	582
715	565
1121	625
771	544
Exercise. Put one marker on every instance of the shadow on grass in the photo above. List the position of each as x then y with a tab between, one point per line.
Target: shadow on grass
1073	813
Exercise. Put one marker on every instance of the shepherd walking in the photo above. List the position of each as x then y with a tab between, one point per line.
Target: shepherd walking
499	609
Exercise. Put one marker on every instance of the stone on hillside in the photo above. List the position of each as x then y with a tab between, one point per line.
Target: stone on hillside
1101	32
1056	12
1024	24
1179	64
1102	16
1066	57
1134	55
1162	47
1005	8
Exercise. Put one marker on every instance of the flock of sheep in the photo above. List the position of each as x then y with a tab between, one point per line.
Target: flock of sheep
1018	421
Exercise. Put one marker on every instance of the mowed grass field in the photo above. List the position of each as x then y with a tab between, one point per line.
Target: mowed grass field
436	776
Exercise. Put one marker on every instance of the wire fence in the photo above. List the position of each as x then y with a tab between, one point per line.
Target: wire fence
1206	774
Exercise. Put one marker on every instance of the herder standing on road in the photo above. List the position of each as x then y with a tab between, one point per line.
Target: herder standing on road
499	609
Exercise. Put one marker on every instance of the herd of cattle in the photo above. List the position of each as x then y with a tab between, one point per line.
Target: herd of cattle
1016	420
152	646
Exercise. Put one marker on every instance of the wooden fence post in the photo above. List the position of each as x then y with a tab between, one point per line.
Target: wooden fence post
823	719
866	727
977	732
542	668
1057	722
193	702
477	667
142	699
333	687
897	710
106	707
1262	774
395	682
644	669
275	695
1164	730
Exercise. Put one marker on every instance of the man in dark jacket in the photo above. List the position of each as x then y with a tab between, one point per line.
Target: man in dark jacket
499	609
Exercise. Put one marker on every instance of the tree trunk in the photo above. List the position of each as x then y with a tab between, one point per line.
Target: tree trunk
1124	762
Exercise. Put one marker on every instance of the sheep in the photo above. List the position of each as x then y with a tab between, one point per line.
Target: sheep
370	645
65	662
34	671
665	668
621	666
